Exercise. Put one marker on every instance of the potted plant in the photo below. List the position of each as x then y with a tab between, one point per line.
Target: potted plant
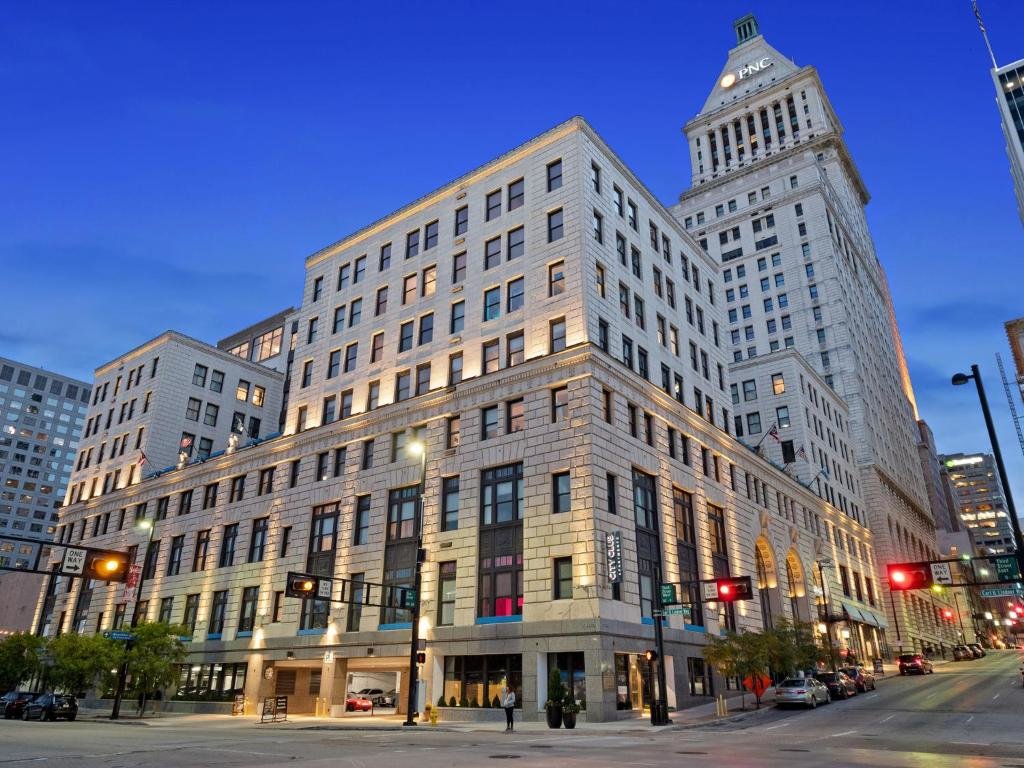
556	694
569	711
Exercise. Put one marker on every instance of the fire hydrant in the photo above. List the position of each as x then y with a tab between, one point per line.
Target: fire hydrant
433	715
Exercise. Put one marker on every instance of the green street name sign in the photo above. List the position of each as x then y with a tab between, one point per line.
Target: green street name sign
668	594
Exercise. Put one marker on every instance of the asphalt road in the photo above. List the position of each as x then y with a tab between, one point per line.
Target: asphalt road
966	714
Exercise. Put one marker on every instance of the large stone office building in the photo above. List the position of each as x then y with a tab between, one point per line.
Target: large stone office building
549	331
776	199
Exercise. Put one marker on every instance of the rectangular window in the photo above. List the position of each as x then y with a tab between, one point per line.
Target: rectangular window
514	349
561	492
555	226
446	593
491	356
515	245
412	244
556	335
488	422
562	578
258	541
361	524
554	175
559	404
461	220
227	546
453	428
493	205
515	419
458	268
202	550
237	489
450	503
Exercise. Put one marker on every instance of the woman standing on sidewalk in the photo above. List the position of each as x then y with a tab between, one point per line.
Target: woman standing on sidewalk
508	703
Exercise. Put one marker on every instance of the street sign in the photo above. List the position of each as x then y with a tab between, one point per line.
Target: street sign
409	598
999	592
668	594
613	551
1006	567
74	561
709	590
678	610
118	634
323	589
941	573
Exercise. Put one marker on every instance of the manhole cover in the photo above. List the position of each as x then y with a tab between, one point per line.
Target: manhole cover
504	757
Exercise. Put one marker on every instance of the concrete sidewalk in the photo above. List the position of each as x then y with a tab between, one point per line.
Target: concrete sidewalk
691	717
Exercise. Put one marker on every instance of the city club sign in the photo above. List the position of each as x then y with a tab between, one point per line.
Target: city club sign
746	71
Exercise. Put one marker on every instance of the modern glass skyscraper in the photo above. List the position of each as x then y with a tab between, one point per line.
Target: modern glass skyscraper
41	420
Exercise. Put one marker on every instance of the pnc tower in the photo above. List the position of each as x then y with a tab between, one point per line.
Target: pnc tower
777	200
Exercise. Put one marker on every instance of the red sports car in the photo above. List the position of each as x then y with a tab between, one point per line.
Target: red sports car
355	703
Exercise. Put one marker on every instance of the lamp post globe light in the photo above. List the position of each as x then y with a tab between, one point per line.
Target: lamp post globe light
416	448
957	380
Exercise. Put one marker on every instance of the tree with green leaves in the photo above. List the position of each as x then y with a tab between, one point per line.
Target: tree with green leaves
19	659
154	657
739	654
79	661
791	647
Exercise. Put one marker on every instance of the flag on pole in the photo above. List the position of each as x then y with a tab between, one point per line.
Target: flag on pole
773	433
144	460
802	453
239	424
977	15
186	442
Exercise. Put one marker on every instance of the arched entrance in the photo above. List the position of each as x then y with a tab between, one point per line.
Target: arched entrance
797	588
767	582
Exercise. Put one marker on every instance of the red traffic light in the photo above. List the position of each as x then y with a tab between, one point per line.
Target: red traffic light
904	576
947	613
734	588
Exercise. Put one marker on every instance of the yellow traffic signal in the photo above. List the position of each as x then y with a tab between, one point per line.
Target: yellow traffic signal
301	585
105	565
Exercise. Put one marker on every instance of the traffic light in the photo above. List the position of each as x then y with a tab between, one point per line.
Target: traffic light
421	657
106	565
947	613
734	588
651	655
903	576
301	585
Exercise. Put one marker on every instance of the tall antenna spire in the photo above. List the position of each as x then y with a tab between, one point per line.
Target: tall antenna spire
984	34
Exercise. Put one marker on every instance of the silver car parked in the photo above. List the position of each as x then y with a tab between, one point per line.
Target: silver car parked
805	691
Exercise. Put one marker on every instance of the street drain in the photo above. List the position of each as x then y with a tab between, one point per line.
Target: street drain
504	757
689	752
548	746
791	749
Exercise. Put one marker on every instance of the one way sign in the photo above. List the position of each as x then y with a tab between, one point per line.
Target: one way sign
941	573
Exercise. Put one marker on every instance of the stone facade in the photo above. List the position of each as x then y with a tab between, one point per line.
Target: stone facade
556	443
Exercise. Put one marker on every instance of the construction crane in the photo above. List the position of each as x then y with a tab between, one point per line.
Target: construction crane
1009	400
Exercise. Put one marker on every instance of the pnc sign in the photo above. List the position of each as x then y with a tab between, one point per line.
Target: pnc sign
730	78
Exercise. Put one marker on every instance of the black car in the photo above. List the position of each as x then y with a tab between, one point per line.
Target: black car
13	703
51	706
839	685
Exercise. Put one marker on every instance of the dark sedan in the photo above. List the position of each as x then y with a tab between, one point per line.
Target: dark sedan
13	703
51	706
839	685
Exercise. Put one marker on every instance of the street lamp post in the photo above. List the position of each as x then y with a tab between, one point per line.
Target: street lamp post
416	448
959	615
962	378
122	673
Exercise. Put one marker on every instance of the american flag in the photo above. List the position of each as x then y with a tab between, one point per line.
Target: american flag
144	459
802	453
977	15
186	442
773	433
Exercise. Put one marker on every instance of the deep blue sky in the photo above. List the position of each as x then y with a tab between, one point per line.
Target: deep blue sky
171	166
